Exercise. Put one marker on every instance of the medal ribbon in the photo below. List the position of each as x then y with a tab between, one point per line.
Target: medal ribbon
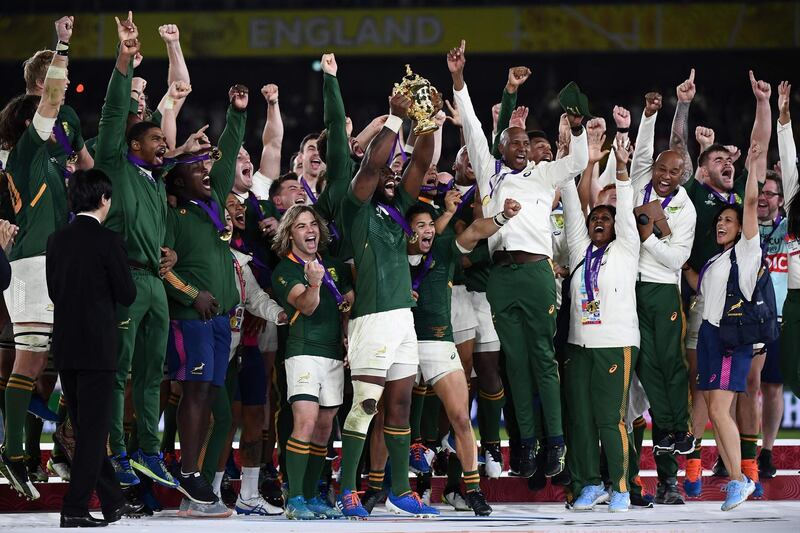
665	202
775	224
703	272
440	188
253	202
497	166
239	245
63	139
591	269
212	210
423	271
309	192
731	196
397	217
327	279
466	198
395	146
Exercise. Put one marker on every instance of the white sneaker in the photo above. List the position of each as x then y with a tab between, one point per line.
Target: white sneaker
426	497
430	455
493	461
59	469
190	509
456	499
256	506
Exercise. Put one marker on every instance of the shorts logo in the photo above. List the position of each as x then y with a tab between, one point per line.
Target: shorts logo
713	378
551	310
380	352
612	369
674	316
198	370
453	356
124	324
303	379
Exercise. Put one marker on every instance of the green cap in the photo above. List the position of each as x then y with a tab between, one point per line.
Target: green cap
573	101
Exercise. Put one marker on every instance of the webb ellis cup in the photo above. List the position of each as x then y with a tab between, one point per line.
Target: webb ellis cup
423	95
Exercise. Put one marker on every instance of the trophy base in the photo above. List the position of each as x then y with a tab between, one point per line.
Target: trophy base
425	126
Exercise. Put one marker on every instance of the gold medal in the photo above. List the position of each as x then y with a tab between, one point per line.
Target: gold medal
414	238
215	154
226	236
73	159
486	200
234	321
344	307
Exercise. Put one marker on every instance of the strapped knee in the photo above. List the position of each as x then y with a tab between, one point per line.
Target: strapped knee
365	405
35	338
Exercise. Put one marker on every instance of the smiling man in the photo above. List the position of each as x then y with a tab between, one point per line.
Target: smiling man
661	366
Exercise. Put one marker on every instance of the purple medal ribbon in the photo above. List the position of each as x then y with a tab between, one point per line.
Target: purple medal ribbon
423	271
497	166
239	245
213	212
591	269
395	146
665	202
731	196
327	280
63	139
466	198
308	190
253	201
440	188
397	217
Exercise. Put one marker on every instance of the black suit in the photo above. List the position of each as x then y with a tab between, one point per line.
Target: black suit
87	276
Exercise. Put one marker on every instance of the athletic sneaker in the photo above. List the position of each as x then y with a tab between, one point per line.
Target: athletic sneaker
226	491
765	467
719	469
737	493
556	455
665	446
513	458
409	504
683	443
320	507
38	408
371	498
493	460
667	492
190	509
440	465
642	500
453	496
564	479
417	460
17	475
693	482
296	509
350	506
122	468
591	495
36	473
477	502
538	481
449	442
423	488
620	502
197	488
153	467
527	460
256	506
58	467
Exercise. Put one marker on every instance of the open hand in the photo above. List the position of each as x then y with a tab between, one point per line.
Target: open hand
518	117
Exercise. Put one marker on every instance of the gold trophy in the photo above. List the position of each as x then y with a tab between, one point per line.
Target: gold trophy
422	94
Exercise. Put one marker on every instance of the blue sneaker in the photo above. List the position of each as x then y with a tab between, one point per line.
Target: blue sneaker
591	495
320	507
122	468
418	460
737	493
153	467
38	408
409	504
620	502
693	482
296	509
759	492
350	506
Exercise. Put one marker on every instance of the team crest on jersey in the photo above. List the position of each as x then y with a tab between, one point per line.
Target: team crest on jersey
281	280
558	221
673	209
438	331
65	125
333	274
182	211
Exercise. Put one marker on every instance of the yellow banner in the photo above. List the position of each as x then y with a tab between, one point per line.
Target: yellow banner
427	31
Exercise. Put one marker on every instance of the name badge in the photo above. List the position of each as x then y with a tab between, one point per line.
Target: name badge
792	246
590	311
237	317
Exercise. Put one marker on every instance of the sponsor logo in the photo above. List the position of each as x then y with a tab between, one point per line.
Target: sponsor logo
713	378
550	311
674	316
612	369
124	324
198	370
380	352
303	379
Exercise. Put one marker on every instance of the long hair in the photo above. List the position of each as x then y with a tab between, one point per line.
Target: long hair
282	242
13	117
736	208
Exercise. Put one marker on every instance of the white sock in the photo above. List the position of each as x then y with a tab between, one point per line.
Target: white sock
217	484
249	482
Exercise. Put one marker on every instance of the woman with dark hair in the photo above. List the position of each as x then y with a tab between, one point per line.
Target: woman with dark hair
722	370
603	342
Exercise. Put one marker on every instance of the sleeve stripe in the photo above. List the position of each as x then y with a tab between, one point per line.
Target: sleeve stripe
180	285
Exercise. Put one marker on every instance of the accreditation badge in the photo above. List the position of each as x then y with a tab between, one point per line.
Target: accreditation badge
792	245
237	317
590	311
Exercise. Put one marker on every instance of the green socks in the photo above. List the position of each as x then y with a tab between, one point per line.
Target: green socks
316	460
398	441
490	405
352	446
297	454
18	396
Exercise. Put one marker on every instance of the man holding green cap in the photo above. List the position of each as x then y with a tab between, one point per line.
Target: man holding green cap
521	253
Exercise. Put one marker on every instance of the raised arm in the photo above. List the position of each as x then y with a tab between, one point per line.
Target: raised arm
305	298
569	166
624	222
114	115
177	93
379	150
55	82
516	77
596	136
420	163
222	173
177	64
337	157
679	138
272	136
762	125
574	223
786	146
643	154
483	228
474	138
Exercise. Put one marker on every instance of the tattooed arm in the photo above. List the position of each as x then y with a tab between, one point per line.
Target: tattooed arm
679	138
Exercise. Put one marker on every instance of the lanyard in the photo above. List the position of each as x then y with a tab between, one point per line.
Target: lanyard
253	202
496	185
240	276
308	190
591	269
665	202
775	225
63	140
703	272
327	280
212	210
398	218
423	271
731	196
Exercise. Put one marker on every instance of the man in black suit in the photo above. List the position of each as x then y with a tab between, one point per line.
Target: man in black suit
87	276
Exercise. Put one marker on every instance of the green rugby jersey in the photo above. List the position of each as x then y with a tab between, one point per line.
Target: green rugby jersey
432	319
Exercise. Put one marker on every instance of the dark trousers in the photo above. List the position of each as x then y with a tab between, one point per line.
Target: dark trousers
88	397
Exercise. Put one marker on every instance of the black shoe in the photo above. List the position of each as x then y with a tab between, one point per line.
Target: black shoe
765	467
513	460
719	469
272	493
371	498
423	484
556	455
564	479
128	510
132	496
537	481
665	446
527	460
440	462
82	521
684	443
667	493
17	475
197	489
477	502
637	500
226	490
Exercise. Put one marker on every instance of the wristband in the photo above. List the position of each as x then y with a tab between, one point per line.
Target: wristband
622	130
169	102
62	48
313	286
623	171
501	221
273	102
56	73
577	130
394	123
